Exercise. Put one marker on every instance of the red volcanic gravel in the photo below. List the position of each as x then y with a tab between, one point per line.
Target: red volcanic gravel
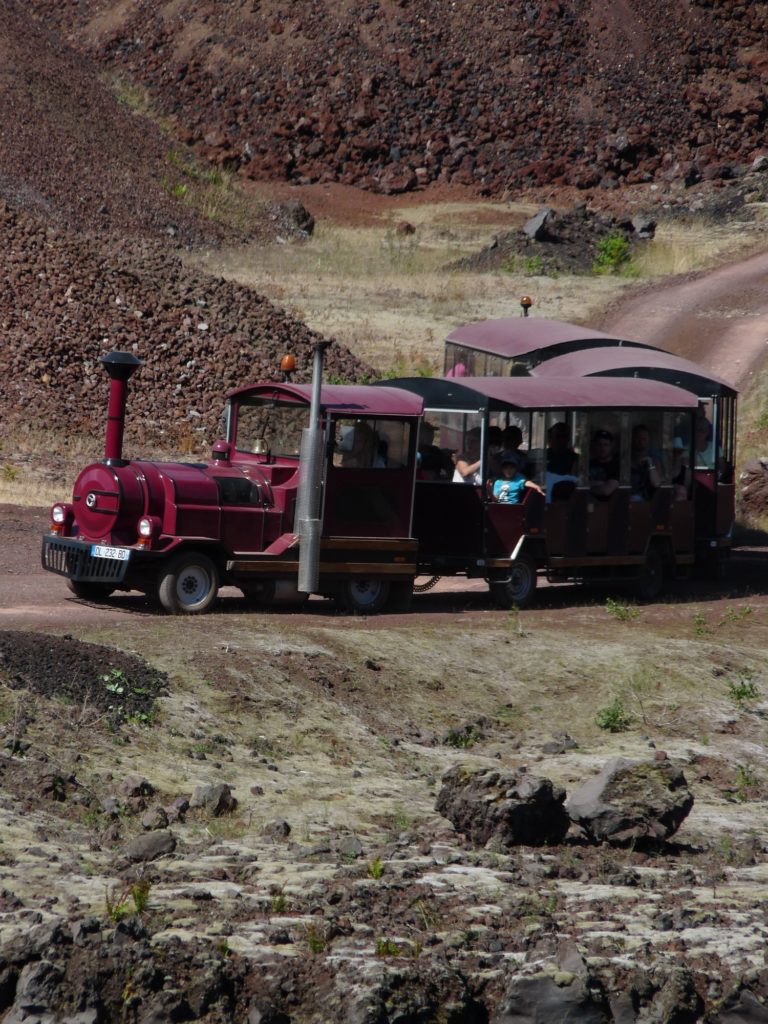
393	94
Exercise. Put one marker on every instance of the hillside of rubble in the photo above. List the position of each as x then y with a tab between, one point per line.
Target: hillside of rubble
394	94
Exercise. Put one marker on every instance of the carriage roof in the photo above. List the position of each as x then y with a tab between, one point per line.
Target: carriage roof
546	393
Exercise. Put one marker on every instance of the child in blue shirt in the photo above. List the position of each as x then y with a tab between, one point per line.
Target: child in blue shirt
509	488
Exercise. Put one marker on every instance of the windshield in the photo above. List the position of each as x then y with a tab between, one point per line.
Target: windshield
267	425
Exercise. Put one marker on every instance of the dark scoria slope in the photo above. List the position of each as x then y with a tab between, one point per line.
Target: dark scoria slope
392	94
70	150
66	300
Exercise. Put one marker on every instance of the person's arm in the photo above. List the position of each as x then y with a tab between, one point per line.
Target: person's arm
534	486
467	469
604	488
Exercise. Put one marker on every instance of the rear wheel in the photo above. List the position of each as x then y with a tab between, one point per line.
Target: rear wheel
90	591
363	597
517	587
189	584
650	583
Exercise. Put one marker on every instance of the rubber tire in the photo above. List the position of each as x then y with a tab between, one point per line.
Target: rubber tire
400	597
363	597
518	588
262	593
88	591
650	584
189	584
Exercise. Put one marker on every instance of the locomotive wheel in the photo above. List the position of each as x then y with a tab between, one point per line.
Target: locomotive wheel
517	587
650	583
363	597
90	591
189	584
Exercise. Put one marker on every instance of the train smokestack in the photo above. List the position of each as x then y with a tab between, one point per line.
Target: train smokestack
120	366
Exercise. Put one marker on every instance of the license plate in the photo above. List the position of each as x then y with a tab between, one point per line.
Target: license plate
102	551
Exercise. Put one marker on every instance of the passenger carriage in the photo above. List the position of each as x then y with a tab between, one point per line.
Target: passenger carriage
569	533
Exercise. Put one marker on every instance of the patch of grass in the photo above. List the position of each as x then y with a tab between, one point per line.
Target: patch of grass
614	717
621	612
375	868
463	737
279	903
140	895
317	939
700	625
9	473
742	689
387	947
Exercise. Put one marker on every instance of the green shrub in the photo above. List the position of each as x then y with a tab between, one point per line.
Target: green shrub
613	254
614	717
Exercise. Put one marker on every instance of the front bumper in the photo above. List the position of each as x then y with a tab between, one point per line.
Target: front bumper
74	559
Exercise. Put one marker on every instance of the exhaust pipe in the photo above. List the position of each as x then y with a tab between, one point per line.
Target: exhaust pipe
120	366
307	520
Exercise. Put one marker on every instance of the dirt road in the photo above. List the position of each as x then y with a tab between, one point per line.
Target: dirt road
718	319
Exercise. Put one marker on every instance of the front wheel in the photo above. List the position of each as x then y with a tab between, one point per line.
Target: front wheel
362	597
90	591
517	587
189	584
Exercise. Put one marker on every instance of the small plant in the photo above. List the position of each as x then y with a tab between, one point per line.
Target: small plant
463	738
532	265
114	680
622	612
613	254
316	939
387	947
116	904
736	614
279	903
614	717
742	690
375	868
700	625
10	473
746	780
140	895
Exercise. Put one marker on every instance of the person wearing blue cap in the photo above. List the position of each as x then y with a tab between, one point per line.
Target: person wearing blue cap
511	485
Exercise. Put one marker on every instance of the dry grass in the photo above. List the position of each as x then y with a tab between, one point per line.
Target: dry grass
388	297
679	248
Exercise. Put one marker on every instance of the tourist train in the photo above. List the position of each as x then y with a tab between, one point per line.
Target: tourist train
617	458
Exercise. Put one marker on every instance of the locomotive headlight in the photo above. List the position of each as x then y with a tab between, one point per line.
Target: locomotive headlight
147	527
61	517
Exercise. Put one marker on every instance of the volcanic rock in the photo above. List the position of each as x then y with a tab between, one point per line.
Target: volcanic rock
631	800
513	808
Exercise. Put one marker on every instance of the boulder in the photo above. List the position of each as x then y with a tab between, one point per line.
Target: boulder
540	225
216	798
562	999
514	808
631	800
150	845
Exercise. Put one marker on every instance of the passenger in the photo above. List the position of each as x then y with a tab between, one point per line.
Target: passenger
364	453
509	488
468	463
680	470
562	463
603	466
561	458
704	453
645	467
429	456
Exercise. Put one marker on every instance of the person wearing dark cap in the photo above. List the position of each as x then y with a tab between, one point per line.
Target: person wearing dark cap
603	466
511	485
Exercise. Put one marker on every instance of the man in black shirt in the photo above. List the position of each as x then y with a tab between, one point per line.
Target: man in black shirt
603	466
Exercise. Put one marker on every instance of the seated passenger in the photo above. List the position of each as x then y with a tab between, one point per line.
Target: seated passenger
468	463
562	463
680	470
363	452
510	486
645	466
603	466
429	458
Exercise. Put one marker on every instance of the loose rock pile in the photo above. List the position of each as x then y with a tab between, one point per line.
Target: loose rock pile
392	96
66	300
